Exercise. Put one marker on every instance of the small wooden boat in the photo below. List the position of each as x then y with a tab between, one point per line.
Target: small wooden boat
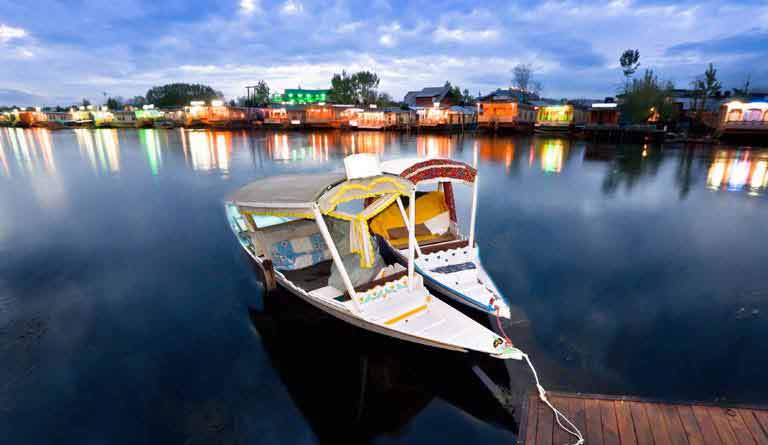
449	262
309	234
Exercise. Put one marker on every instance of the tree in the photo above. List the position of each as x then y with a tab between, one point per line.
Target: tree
523	73
646	98
744	91
357	88
85	102
365	84
385	100
261	93
342	89
467	98
137	101
181	94
630	62
706	87
115	103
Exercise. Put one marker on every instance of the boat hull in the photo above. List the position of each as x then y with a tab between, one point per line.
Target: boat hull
346	315
442	289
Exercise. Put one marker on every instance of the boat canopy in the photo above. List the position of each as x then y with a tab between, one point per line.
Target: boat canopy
299	196
419	170
434	170
285	195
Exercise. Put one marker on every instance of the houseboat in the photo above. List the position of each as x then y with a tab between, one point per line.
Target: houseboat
323	116
27	118
374	118
560	118
296	116
746	120
222	116
147	116
194	114
81	117
6	119
505	110
300	96
455	118
102	118
55	120
124	119
276	117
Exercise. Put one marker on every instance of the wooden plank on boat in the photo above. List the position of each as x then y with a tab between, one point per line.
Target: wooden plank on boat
614	420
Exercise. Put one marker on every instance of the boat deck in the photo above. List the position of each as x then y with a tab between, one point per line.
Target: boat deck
627	421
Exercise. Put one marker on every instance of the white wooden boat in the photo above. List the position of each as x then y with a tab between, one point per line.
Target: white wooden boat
283	223
449	261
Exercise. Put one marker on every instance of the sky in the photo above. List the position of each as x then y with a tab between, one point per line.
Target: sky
59	51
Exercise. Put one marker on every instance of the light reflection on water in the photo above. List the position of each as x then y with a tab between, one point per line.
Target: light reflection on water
619	262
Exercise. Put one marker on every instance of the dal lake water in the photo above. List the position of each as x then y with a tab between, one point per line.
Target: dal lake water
124	297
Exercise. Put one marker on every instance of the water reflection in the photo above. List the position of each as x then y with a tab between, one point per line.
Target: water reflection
209	150
31	149
101	148
497	150
552	152
150	143
738	170
431	145
372	386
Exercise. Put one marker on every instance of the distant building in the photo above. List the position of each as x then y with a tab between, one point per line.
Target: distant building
431	97
300	96
505	109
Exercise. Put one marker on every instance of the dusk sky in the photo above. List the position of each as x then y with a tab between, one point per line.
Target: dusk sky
58	51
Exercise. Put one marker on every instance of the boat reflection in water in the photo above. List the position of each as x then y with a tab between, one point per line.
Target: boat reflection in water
150	142
354	387
498	150
739	170
435	145
30	149
101	148
208	150
552	153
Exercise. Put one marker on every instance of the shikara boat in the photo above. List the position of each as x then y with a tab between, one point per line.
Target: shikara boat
449	261
309	234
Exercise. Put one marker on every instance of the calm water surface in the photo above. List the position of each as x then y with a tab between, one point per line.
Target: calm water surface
124	297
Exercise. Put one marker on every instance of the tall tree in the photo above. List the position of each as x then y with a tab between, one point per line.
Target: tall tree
261	93
646	98
181	94
115	103
707	87
523	75
630	62
365	84
342	89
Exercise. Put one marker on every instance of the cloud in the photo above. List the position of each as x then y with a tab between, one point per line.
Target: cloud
349	27
8	33
387	40
291	7
752	41
249	7
441	35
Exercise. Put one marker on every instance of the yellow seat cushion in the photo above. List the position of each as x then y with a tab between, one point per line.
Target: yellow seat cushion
428	206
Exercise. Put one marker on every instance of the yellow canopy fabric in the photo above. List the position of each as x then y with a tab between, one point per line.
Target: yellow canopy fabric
428	206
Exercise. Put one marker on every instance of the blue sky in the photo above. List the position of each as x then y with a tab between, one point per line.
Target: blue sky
55	51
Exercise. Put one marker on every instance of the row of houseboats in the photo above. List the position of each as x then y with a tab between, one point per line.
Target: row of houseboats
424	110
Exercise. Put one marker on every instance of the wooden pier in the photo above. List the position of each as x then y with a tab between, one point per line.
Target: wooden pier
627	421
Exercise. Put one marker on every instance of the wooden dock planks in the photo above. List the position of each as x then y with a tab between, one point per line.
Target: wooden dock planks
606	420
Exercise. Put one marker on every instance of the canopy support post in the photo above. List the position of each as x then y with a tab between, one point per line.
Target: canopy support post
473	216
336	257
411	238
407	224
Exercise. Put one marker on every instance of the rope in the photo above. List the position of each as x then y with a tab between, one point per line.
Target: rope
571	428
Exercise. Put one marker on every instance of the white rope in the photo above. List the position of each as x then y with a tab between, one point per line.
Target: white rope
573	431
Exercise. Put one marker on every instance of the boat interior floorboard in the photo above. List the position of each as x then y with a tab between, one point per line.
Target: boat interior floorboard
310	278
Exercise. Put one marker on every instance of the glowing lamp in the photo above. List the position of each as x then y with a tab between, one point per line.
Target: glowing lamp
197	103
217	103
148	107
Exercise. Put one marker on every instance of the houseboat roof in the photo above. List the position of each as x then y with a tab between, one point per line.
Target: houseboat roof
436	93
504	95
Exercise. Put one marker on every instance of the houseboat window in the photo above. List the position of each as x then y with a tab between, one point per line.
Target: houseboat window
753	114
734	115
